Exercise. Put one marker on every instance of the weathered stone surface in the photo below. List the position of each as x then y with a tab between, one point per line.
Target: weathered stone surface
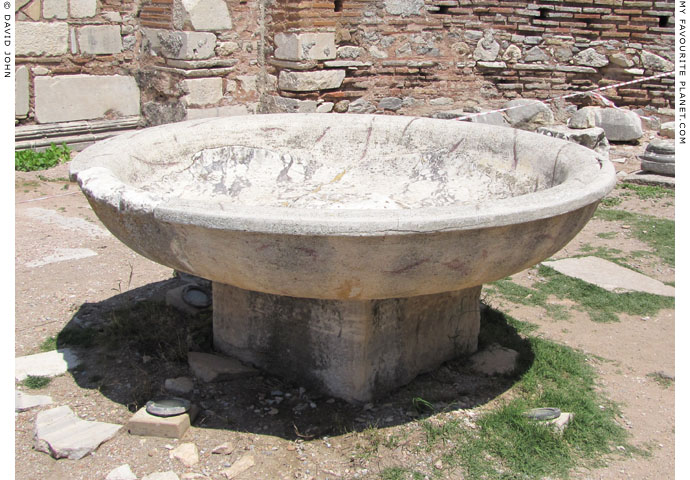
242	465
585	117
276	104
60	433
619	124
325	107
187	453
46	364
495	360
99	39
113	17
404	8
391	103
609	276
169	475
512	54
591	58
528	114
225	111
157	113
204	15
225	448
23	402
655	62
349	51
648	178
386	356
342	106
21	92
179	45
594	138
64	98
310	81
668	129
202	91
361	106
82	8
179	385
487	48
55	9
560	423
305	46
659	157
41	39
145	424
210	368
123	472
535	54
33	11
621	60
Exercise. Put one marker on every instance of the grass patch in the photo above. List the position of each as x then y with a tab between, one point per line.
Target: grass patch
658	233
35	382
31	160
49	344
506	445
662	379
601	305
607	235
400	473
611	201
646	192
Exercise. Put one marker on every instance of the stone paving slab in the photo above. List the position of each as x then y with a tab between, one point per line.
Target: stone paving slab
646	178
610	276
46	364
60	433
23	401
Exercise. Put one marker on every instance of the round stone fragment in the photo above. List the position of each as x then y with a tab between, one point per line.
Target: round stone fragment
659	157
168	407
545	413
196	297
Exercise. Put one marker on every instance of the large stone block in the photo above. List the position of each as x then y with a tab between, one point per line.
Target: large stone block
202	91
41	38
305	46
404	8
21	92
619	125
82	97
179	45
100	39
55	9
351	349
204	15
82	8
310	81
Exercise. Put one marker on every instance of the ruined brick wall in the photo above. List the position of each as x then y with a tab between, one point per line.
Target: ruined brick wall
421	56
170	60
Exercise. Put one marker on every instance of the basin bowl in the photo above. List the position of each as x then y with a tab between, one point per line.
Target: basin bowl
346	251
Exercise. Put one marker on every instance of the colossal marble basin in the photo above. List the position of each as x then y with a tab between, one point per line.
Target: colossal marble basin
346	251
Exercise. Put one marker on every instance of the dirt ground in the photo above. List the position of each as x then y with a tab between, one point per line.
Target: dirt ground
309	436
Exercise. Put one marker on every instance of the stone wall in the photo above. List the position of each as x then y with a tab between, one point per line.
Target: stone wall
170	60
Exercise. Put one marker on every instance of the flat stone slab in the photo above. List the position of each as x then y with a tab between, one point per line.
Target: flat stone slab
23	402
46	364
642	177
144	424
169	475
123	472
210	367
60	433
610	276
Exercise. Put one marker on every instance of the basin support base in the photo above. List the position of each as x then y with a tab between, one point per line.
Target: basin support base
351	349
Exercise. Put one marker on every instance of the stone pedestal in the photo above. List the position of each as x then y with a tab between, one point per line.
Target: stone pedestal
351	349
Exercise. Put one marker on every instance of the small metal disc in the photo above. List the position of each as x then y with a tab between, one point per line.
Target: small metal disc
546	413
168	407
196	297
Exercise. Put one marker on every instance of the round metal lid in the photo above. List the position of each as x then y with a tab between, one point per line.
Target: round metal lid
168	407
545	413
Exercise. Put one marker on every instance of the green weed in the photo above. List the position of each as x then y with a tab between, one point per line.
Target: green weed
30	160
662	379
36	382
48	344
645	192
400	473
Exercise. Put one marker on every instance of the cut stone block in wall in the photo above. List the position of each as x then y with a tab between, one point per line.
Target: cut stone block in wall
204	15
41	39
305	46
310	81
83	97
21	92
55	9
82	8
212	112
179	45
100	39
202	91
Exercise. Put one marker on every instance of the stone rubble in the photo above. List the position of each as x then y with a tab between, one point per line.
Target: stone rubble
186	453
210	368
60	433
494	360
123	472
242	465
23	402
